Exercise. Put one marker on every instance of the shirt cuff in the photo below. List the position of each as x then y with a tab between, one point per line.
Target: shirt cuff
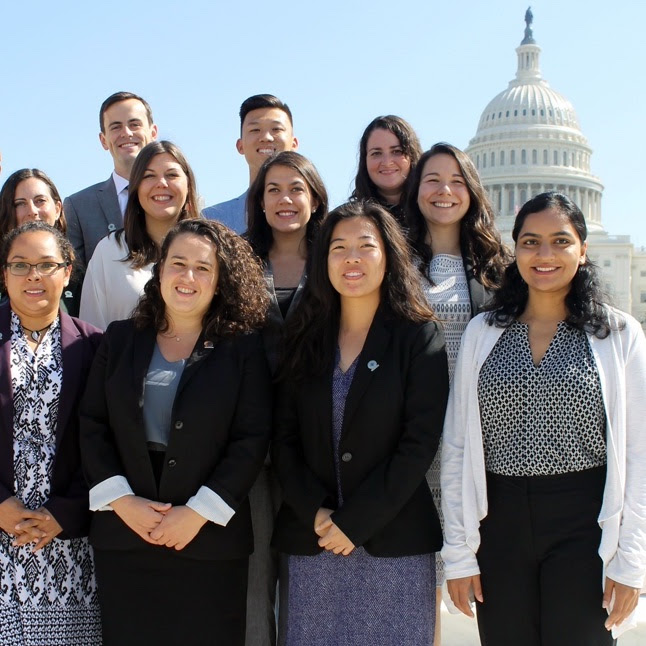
209	505
105	492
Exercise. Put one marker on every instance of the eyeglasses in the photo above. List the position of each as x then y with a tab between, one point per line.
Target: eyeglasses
43	268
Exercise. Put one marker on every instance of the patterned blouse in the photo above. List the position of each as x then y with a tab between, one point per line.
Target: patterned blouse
541	420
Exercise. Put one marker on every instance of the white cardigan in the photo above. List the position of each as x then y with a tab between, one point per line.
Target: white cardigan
111	287
621	363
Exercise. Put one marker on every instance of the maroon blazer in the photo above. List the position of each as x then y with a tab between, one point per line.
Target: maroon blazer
68	500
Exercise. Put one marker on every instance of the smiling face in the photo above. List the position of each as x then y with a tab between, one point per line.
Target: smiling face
35	298
163	190
126	130
387	165
287	200
443	197
357	260
189	277
265	131
33	201
549	252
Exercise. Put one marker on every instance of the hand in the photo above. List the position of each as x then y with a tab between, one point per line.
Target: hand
322	521
625	602
35	528
140	514
178	527
460	589
334	540
13	512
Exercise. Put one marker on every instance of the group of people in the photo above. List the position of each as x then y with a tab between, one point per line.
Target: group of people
296	435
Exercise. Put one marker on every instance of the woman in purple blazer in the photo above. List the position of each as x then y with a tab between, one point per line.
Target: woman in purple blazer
48	591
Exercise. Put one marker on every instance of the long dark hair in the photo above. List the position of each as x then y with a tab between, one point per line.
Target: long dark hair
142	250
479	239
241	302
585	301
364	187
8	193
259	233
311	333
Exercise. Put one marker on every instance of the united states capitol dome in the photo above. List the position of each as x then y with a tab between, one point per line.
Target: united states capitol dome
529	140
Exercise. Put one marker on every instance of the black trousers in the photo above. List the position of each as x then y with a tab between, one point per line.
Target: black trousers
540	570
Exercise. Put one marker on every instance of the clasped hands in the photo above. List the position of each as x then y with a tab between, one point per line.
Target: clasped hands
159	523
330	536
36	526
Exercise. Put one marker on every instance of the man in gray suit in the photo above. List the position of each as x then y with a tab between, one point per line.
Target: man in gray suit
126	122
266	128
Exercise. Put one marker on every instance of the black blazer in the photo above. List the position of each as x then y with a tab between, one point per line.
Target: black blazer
391	429
219	434
68	499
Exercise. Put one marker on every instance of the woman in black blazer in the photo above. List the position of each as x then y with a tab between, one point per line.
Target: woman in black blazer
175	426
48	592
451	227
359	417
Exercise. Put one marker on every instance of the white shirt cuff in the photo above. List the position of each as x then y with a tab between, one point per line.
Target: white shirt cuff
209	505
105	492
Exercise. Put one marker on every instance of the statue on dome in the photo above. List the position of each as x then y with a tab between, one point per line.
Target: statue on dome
529	36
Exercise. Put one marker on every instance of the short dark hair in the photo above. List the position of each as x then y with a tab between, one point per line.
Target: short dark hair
480	240
241	302
141	249
259	233
259	101
311	333
585	301
64	245
117	97
364	187
8	194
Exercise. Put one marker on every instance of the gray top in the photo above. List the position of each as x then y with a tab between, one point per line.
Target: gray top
160	388
541	420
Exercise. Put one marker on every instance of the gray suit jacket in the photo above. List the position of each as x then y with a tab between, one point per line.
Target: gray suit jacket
91	214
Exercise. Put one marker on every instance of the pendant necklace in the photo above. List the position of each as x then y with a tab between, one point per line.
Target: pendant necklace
36	335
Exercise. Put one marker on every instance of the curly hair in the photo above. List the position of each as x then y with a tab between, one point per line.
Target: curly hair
142	250
259	233
64	245
585	302
8	194
311	333
364	187
241	302
480	241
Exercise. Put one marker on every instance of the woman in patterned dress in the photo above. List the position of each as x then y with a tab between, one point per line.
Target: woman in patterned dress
357	425
388	152
47	587
451	227
544	454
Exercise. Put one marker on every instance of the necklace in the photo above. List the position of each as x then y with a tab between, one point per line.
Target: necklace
171	335
36	334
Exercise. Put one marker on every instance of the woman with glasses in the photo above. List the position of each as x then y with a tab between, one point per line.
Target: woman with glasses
47	590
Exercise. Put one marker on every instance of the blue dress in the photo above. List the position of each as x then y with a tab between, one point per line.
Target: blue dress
357	599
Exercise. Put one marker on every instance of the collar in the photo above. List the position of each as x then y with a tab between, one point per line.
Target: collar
119	182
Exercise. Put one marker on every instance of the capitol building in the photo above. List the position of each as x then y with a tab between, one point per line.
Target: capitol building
529	141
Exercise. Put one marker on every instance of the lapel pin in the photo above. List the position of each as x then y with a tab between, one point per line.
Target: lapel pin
68	294
111	227
0	336
208	345
372	365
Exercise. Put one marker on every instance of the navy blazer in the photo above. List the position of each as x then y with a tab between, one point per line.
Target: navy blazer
219	434
391	430
68	500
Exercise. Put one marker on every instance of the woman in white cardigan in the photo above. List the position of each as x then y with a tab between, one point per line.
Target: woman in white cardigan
544	449
161	192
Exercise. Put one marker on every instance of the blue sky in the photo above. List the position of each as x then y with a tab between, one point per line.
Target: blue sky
338	64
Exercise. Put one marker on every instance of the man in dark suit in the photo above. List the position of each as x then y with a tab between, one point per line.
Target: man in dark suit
266	128
126	122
